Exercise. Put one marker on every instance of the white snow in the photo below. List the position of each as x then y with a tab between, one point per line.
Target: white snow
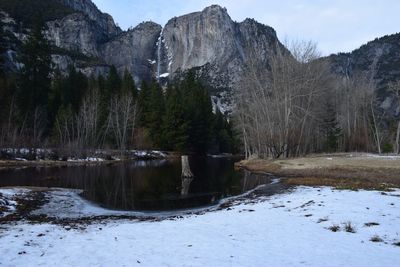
88	159
7	201
282	230
150	154
66	203
20	159
377	156
164	75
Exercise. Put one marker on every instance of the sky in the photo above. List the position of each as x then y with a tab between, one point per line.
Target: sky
335	25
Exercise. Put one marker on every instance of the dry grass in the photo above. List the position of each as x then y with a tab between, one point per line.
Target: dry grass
340	171
259	166
334	228
376	239
348	227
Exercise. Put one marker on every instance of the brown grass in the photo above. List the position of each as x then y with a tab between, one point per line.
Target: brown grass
340	171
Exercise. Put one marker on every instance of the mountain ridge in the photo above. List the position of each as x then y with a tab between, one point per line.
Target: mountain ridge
216	47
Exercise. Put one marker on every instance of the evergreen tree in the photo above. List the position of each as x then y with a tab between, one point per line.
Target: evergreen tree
55	100
175	125
35	79
128	85
113	83
4	92
198	109
156	109
144	101
76	86
331	129
223	133
2	51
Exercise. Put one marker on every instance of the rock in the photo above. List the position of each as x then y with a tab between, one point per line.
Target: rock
134	50
381	58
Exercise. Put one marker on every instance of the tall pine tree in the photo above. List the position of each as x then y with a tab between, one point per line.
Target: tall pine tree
76	86
128	85
198	109
113	83
35	79
175	125
2	51
144	101
155	113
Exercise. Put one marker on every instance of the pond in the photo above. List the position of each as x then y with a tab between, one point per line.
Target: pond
143	185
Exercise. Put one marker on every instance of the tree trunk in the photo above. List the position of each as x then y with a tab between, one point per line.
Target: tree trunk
376	130
186	172
398	139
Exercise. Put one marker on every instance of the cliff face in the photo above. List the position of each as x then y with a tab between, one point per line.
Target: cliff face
200	38
134	50
380	59
105	21
216	47
77	33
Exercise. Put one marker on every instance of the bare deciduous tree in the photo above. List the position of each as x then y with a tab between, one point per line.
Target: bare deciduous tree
394	88
122	119
276	107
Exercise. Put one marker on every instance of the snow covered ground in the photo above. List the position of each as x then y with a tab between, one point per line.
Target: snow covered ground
289	229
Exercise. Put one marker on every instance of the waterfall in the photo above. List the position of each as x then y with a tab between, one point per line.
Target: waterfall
159	46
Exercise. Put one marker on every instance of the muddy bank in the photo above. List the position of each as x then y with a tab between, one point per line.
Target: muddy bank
342	171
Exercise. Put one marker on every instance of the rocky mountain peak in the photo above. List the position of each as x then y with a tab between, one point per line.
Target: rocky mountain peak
215	10
88	8
146	25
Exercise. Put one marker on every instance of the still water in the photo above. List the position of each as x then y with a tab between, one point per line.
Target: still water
143	185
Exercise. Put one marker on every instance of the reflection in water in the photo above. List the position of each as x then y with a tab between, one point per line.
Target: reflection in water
143	185
186	185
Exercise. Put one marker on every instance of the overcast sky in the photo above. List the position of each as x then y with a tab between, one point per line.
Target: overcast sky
336	25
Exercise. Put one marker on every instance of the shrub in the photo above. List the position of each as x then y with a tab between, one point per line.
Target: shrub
348	227
334	228
376	239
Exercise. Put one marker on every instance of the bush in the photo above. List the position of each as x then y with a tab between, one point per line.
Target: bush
348	227
376	239
334	228
387	148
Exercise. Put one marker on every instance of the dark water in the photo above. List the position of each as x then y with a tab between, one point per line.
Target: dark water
143	185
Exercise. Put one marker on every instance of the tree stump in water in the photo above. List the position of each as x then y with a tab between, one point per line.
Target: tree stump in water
187	176
186	172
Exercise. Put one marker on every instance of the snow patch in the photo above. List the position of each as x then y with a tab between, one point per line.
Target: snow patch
7	200
88	159
290	229
377	156
164	75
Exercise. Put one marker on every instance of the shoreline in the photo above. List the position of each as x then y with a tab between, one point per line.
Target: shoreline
352	171
35	205
87	161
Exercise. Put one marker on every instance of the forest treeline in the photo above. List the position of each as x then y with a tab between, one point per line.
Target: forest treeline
42	107
295	107
299	106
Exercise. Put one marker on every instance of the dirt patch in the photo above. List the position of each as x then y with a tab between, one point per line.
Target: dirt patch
342	171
